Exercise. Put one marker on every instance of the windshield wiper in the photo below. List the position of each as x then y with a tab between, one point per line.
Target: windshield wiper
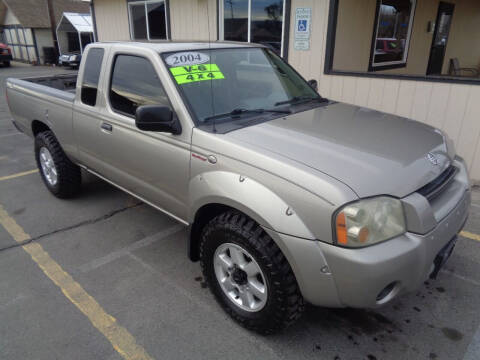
235	113
299	100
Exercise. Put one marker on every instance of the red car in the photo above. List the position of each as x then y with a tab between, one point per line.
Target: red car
5	54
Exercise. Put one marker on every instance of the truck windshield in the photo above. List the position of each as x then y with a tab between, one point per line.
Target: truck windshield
233	84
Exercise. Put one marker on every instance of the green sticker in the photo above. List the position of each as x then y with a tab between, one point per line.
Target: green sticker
193	73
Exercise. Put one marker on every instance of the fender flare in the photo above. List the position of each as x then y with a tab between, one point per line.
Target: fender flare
248	196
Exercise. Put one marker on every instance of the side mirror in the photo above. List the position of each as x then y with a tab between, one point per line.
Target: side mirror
157	118
313	84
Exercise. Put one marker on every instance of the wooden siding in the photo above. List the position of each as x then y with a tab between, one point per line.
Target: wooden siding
190	19
453	108
112	20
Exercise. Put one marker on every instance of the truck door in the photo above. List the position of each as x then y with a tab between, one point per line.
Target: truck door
87	108
152	165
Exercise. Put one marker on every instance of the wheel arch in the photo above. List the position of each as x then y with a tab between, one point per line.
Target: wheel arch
217	192
38	126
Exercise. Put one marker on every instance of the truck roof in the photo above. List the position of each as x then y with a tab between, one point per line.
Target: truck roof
169	45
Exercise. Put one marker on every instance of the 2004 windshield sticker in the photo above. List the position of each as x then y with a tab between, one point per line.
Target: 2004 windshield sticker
191	67
192	73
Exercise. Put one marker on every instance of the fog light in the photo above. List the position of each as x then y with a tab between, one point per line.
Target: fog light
384	295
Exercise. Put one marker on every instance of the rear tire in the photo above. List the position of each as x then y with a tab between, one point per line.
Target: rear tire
284	304
62	177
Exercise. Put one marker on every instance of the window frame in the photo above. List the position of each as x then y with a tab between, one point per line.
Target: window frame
330	52
110	80
287	4
145	3
386	65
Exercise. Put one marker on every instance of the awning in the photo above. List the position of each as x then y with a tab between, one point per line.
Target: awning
75	22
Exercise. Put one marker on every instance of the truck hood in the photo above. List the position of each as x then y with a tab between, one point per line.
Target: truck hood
371	152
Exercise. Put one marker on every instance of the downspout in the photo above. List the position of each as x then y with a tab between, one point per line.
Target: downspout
94	20
53	27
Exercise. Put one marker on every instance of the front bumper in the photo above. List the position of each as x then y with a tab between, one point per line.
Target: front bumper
333	276
68	63
406	262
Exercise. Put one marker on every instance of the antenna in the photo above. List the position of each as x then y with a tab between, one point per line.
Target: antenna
210	55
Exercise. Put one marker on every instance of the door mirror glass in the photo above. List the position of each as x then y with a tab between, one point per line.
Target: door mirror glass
313	84
157	118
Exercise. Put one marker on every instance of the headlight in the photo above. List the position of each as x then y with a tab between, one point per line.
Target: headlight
73	58
369	221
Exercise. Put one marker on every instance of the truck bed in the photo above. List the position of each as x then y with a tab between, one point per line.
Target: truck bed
65	82
50	100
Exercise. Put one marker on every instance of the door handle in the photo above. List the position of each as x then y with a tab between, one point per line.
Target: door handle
107	127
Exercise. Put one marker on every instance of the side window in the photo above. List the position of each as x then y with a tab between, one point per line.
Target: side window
135	83
91	74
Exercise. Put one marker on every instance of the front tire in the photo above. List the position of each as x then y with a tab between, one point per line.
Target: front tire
61	176
248	274
6	63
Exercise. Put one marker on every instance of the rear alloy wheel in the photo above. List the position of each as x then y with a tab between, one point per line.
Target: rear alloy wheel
61	176
248	274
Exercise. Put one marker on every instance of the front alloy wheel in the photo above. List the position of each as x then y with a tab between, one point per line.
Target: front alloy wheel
240	277
248	274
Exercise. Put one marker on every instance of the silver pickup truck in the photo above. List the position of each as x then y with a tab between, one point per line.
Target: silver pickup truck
289	197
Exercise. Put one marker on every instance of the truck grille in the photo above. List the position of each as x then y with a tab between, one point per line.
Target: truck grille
435	188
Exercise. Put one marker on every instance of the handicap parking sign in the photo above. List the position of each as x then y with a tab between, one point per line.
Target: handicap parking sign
303	17
302	25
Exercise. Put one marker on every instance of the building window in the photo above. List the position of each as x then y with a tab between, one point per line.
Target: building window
407	39
394	22
148	20
259	21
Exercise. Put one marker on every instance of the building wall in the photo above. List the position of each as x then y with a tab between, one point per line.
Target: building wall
10	18
112	20
189	19
453	108
43	38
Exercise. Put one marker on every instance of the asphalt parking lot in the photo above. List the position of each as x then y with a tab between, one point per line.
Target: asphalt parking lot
76	274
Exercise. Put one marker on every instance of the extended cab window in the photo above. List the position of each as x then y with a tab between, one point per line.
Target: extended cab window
91	74
135	83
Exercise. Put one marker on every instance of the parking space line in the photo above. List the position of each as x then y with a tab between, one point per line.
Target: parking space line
122	341
469	235
96	263
13	176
